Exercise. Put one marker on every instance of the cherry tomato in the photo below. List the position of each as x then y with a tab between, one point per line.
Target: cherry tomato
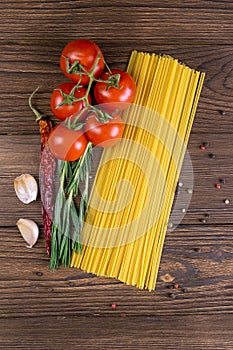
67	144
84	52
70	107
125	93
104	134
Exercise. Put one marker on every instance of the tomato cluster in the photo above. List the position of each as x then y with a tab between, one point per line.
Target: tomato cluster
83	63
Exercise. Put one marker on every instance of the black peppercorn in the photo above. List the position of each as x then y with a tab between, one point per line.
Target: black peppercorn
197	249
211	155
172	296
222	181
222	112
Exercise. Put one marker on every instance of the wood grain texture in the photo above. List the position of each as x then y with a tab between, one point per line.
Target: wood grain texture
199	259
43	19
43	309
112	332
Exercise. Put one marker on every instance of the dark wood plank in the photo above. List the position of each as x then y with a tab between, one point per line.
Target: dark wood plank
169	24
163	333
43	309
199	259
63	5
37	64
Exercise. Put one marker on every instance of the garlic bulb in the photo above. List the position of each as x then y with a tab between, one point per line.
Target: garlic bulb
26	188
29	231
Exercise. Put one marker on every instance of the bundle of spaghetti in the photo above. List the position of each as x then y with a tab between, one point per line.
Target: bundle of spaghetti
134	187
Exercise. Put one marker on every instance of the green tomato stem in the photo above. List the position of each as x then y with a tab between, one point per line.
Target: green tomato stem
34	110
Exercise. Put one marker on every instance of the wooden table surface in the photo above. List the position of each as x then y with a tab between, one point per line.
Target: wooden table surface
67	308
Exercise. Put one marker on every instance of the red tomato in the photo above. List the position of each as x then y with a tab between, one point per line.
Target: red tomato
71	107
124	94
67	144
84	52
104	134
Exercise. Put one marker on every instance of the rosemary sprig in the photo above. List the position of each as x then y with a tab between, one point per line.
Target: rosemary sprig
57	220
68	221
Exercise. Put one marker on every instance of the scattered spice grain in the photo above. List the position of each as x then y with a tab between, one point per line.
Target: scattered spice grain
211	155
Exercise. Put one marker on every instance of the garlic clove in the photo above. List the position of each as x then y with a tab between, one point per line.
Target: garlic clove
29	231
26	188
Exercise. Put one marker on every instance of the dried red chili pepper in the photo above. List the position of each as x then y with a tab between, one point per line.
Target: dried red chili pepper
47	171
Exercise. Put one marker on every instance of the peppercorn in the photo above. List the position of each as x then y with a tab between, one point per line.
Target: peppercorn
172	295
113	306
204	145
218	186
211	155
38	273
170	286
197	249
222	181
222	112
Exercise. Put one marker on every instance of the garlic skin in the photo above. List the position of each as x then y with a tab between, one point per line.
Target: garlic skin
26	188
29	231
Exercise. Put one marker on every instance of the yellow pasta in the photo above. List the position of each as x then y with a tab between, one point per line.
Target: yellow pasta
134	187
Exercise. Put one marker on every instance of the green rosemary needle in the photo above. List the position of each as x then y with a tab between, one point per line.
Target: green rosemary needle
68	220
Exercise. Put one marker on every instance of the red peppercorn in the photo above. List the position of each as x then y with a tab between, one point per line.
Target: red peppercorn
202	147
176	285
113	306
218	186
